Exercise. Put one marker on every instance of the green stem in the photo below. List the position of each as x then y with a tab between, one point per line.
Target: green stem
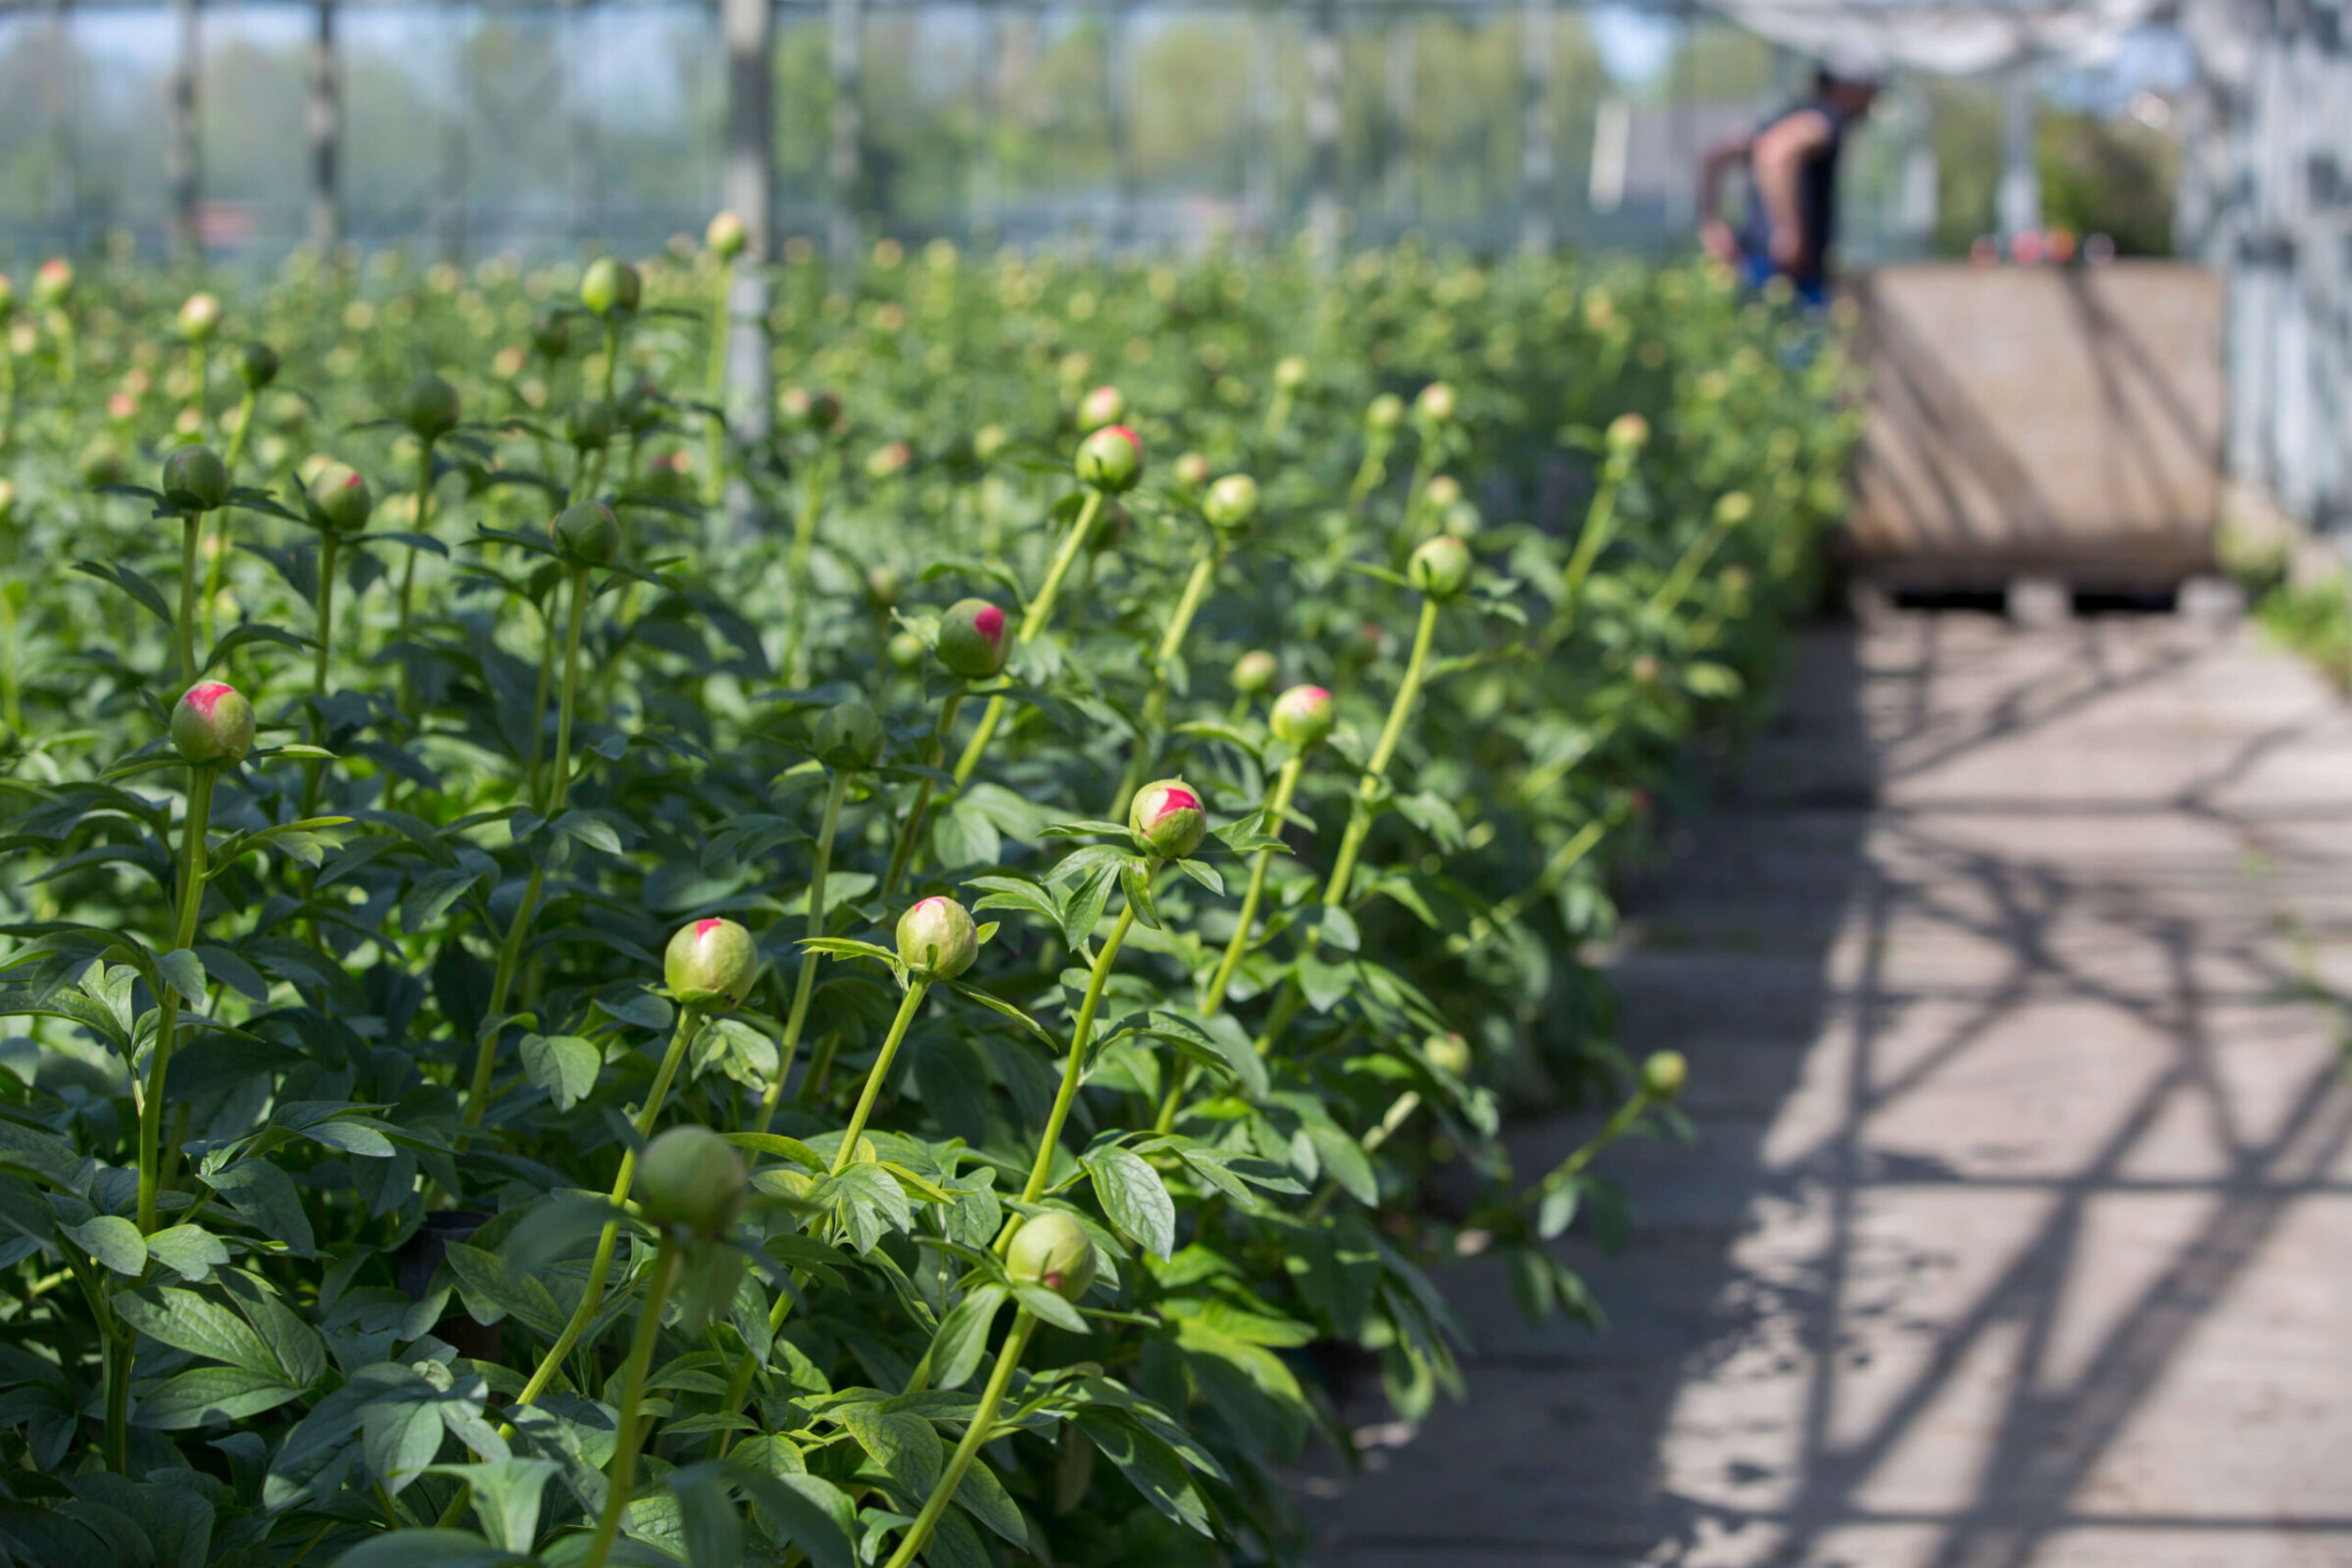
1359	816
805	986
715	387
803	542
1034	620
1369	473
201	401
218	565
1155	702
547	675
314	772
631	1431
1563	860
191	900
907	1007
236	437
119	1354
611	356
8	392
408	572
1617	1126
1073	1071
592	1294
1601	523
901	853
1669	596
975	1437
191	528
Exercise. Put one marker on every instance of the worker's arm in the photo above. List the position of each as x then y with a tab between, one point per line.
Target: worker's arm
1715	234
1778	158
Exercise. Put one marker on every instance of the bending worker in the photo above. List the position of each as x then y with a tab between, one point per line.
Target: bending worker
1791	164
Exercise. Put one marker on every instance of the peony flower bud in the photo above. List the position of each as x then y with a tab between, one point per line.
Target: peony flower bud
817	412
728	236
1289	373
1190	471
1168	818
1733	507
1052	1250
1111	459
1663	1073
611	287
429	408
339	500
53	283
892	457
1231	503
586	534
1436	403
936	939
1302	717
1442	491
711	964
213	725
1385	413
1440	568
881	586
257	366
1105	405
691	1176
1627	433
972	639
989	440
1448	1054
849	735
198	318
905	649
195	479
1254	673
588	425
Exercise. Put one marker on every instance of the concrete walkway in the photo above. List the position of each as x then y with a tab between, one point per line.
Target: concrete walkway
2018	1231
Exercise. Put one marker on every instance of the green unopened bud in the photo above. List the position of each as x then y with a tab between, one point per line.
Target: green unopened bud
338	498
1191	470
1448	1054
195	479
1302	717
728	236
1663	1073
905	649
1442	491
849	735
257	366
691	1176
1627	433
429	408
1231	503
53	283
936	939
711	964
1105	405
586	534
1052	1250
1289	373
989	440
611	287
889	458
1440	568
1385	413
1111	459
1255	673
213	725
1167	819
881	586
198	318
974	639
1734	509
1436	403
588	425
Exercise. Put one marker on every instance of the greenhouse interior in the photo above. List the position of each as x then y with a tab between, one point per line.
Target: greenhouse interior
1345	783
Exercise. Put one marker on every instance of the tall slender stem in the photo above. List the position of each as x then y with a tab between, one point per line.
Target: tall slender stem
1601	523
1285	785
313	771
795	570
408	572
715	387
901	853
191	528
975	1437
805	986
1155	702
191	901
631	1430
1073	1071
217	564
592	1293
1359	816
908	1005
1034	620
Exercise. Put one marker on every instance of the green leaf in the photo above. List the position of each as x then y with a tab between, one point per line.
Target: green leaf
189	1251
505	1495
150	597
201	1326
962	1337
112	1241
1150	1465
1047	1306
264	1196
590	829
399	1438
1344	1159
185	972
565	1066
1204	873
428	1548
905	1445
211	1394
1134	1197
782	1147
804	1511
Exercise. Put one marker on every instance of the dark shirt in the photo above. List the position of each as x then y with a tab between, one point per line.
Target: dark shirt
1816	196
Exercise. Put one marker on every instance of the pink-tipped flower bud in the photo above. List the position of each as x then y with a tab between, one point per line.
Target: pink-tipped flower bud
1231	503
1105	405
1289	373
1255	673
257	366
586	534
691	1176
198	318
213	725
1627	433
1052	1250
711	964
1111	459
728	236
53	283
1191	470
1436	403
611	287
973	638
1302	717
1167	819
936	939
849	736
1385	413
429	408
195	479
338	498
1663	1074
1440	568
